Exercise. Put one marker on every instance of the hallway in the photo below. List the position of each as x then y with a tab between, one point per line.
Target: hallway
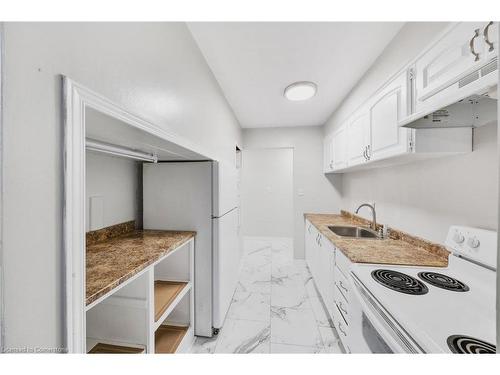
276	308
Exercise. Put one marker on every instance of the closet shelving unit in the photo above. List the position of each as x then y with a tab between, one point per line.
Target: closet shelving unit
151	312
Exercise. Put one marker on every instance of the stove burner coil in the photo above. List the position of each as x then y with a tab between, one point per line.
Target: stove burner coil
443	281
399	282
469	345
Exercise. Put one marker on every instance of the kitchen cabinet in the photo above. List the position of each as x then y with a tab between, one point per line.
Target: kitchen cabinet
387	108
328	154
341	316
320	258
358	138
442	75
330	270
458	64
339	148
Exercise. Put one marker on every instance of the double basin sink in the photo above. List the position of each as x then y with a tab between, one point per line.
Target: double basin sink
353	232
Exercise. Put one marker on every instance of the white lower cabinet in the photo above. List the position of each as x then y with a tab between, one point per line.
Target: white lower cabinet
330	269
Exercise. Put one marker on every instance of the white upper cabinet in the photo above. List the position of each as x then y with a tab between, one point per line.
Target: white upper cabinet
328	154
339	148
387	108
358	138
463	61
455	65
490	36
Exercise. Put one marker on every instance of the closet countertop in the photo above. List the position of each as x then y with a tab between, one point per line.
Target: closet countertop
111	262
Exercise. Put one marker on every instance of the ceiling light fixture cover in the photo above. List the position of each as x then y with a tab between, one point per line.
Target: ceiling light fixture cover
300	91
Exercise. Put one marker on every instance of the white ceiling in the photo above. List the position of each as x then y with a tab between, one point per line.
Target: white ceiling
254	62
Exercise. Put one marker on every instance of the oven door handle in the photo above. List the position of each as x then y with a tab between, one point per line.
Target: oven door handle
390	340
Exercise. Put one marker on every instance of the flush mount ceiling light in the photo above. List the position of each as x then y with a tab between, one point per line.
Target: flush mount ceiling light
300	91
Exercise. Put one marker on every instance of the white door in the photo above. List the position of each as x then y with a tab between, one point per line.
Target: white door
339	148
359	137
387	108
449	60
267	192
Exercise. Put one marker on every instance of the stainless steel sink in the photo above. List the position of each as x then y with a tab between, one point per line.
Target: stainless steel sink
353	232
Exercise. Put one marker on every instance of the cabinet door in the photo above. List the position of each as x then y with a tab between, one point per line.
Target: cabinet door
330	279
328	154
307	252
490	37
449	60
339	149
387	108
358	138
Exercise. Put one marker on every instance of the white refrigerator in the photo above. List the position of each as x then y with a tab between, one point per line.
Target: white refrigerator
200	196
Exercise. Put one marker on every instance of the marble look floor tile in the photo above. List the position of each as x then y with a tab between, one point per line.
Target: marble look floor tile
276	308
244	336
320	313
311	290
255	279
250	306
204	345
283	274
251	244
330	340
293	349
289	295
296	326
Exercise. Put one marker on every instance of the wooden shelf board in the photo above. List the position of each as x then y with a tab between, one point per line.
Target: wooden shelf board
165	294
168	338
101	348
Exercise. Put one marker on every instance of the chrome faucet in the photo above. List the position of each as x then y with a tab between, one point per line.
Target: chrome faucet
374	214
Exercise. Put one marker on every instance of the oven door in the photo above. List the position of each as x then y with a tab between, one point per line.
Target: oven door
372	329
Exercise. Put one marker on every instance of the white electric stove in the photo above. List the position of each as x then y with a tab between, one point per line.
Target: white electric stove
429	309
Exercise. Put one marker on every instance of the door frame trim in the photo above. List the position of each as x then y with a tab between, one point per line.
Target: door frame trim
76	99
2	269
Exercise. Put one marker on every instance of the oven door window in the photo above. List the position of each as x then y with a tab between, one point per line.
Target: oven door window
372	338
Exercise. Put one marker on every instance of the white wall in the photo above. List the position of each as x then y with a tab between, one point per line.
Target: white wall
152	69
267	192
423	198
312	190
115	179
426	197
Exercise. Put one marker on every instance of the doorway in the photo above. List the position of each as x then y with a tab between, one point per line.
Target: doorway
267	192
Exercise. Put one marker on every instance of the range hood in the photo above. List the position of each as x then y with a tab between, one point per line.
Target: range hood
471	112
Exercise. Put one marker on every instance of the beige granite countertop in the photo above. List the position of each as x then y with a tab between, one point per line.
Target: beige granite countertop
399	248
111	262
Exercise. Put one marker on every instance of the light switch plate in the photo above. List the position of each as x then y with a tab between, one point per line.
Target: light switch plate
96	208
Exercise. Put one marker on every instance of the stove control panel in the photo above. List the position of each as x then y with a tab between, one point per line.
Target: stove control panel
479	245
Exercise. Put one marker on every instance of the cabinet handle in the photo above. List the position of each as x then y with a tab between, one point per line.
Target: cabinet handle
342	286
486	37
364	154
471	45
319	240
341	308
341	330
368	152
